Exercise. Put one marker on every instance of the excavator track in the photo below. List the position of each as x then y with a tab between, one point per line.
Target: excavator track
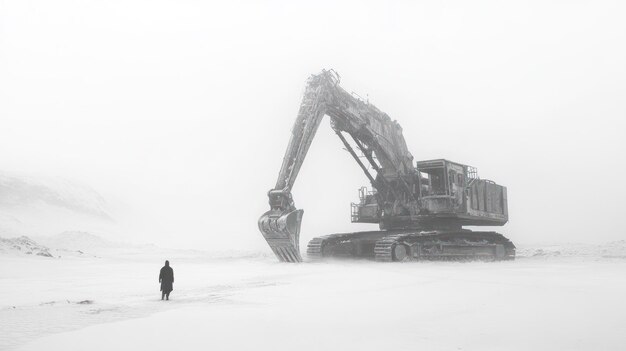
344	245
314	248
385	247
414	246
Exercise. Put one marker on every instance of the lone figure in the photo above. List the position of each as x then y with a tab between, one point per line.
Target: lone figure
166	278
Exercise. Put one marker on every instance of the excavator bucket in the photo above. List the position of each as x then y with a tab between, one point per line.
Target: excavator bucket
282	232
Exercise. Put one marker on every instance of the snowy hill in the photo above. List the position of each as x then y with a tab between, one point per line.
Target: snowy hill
23	245
23	191
76	244
39	206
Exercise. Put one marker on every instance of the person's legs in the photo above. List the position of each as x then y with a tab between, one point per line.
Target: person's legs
167	296
162	295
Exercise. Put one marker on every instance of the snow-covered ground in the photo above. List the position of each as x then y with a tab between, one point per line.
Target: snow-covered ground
573	300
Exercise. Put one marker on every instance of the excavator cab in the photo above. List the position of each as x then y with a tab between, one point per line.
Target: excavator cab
454	191
442	185
432	182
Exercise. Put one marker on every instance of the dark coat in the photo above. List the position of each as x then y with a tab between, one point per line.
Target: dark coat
166	278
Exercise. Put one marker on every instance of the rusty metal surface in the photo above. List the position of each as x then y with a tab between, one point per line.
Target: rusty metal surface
429	195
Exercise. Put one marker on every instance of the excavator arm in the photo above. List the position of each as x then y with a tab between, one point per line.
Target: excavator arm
374	134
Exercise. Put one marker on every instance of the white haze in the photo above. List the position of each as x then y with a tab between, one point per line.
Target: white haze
179	112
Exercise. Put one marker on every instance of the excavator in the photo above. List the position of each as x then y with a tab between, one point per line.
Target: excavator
420	207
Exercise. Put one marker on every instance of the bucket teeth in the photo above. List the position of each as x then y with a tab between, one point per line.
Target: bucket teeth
286	254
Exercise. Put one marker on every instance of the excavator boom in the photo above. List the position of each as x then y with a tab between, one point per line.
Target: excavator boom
375	135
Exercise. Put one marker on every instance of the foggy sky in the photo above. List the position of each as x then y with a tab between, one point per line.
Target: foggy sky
179	112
